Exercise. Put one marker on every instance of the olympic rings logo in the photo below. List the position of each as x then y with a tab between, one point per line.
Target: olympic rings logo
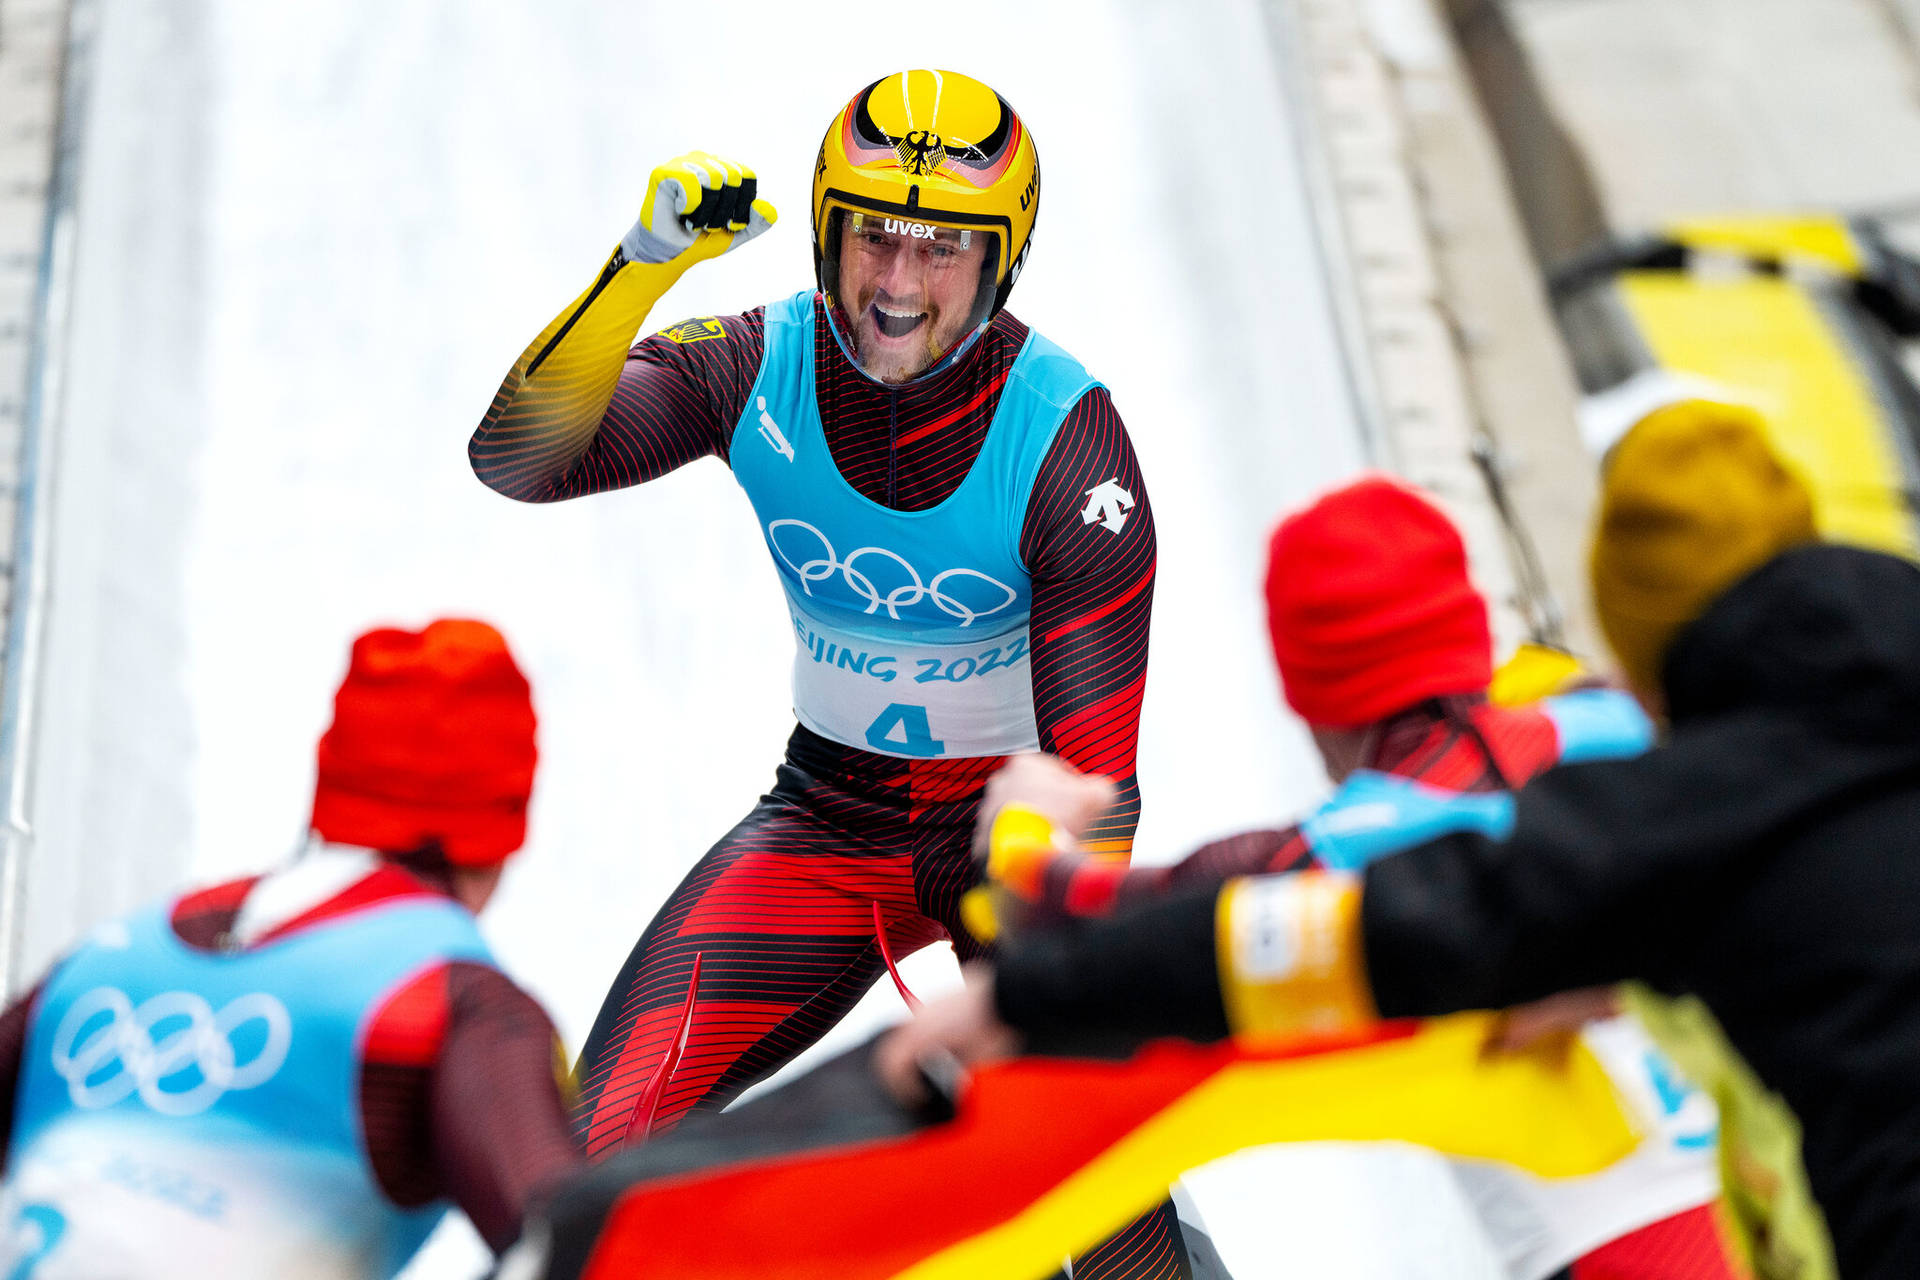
141	1063
824	566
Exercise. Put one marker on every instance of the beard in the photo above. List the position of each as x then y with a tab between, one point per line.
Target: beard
893	343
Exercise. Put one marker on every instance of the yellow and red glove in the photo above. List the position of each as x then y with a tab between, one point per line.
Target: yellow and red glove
1035	873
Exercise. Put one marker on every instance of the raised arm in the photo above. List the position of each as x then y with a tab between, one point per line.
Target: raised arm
575	415
1089	543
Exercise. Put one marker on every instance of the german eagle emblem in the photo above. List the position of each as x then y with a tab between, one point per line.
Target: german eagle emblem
920	153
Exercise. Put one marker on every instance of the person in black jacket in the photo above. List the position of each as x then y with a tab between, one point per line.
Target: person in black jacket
1762	859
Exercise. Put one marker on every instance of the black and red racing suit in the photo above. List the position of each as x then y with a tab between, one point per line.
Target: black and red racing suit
780	912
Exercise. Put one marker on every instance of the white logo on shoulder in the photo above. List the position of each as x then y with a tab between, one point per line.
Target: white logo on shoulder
1107	505
184	1070
944	592
770	431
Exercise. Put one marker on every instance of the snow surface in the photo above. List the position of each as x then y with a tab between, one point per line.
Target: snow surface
315	236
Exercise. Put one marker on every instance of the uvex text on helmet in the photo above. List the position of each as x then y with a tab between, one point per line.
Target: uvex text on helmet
930	147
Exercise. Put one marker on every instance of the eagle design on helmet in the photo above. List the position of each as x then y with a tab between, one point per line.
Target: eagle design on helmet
935	146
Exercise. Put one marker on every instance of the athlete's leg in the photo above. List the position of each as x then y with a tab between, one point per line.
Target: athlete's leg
1150	1249
780	913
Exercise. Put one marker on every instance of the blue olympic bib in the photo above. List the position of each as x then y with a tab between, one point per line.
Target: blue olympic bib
165	1088
910	626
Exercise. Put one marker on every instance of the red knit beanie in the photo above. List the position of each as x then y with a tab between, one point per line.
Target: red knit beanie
1370	608
432	740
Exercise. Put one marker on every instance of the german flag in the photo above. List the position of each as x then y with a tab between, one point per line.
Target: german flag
830	1179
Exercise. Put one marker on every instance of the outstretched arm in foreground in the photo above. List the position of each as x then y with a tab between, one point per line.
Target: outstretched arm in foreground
1604	864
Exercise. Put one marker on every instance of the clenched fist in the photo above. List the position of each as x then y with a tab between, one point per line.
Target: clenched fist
698	206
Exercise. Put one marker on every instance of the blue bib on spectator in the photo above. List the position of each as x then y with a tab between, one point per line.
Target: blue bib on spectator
185	1095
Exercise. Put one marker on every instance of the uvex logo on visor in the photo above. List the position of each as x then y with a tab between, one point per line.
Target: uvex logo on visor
918	230
913	230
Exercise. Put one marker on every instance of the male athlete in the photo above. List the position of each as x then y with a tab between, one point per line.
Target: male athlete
966	546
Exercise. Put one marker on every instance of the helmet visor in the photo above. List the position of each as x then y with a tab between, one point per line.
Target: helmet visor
909	291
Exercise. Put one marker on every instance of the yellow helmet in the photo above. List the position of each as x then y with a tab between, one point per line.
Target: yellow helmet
932	146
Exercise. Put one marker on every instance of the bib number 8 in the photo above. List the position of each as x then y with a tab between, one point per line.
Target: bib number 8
902	729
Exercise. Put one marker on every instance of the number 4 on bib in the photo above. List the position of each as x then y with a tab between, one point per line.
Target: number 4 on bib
903	729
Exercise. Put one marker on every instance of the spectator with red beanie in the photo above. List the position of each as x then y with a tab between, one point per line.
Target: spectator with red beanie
1750	877
1372	615
1384	650
294	1074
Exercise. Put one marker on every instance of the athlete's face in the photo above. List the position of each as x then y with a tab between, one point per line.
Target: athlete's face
908	289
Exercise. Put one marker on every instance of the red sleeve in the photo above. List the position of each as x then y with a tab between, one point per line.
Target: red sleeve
500	1130
1250	853
1080	887
1089	543
679	397
460	1097
15	1024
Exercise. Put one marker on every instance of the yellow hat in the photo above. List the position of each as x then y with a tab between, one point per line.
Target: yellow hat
1693	499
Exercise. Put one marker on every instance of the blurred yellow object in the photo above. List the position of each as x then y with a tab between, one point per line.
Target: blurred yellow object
978	914
1535	671
1290	956
1767	338
1019	845
1806	237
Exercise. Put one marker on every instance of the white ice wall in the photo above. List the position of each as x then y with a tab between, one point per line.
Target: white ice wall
111	804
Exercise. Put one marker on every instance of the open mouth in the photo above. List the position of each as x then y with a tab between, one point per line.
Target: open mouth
896	324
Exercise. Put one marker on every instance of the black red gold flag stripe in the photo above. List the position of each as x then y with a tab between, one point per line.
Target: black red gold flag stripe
829	1178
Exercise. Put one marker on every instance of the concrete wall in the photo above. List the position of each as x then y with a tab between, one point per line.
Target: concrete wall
1455	333
1685	106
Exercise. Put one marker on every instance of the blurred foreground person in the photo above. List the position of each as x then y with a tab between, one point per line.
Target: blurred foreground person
1759	862
292	1074
1384	650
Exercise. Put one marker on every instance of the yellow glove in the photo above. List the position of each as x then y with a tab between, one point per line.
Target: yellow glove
1020	844
697	206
